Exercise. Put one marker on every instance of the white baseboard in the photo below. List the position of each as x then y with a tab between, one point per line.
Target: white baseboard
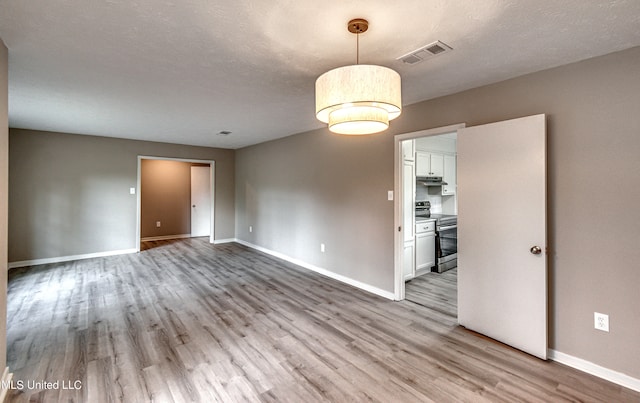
594	369
227	240
165	237
566	359
320	270
34	262
5	383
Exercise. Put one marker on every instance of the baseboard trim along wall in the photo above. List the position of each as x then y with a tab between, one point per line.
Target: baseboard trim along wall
320	270
595	370
562	358
227	240
165	237
34	262
60	259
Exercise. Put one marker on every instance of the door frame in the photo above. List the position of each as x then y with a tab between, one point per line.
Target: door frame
212	166
398	239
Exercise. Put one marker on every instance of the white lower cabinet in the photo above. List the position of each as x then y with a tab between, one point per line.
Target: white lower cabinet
425	247
408	264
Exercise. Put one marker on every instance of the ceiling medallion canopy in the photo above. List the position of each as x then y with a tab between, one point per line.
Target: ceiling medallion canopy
358	99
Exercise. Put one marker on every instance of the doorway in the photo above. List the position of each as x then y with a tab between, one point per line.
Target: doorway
405	235
170	206
427	279
502	263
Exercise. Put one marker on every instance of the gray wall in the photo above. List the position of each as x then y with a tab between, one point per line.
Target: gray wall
69	194
165	196
314	187
321	188
4	191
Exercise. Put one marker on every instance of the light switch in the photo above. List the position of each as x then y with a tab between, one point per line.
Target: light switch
132	191
390	195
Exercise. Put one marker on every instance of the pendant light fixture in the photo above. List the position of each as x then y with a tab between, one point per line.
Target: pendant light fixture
358	99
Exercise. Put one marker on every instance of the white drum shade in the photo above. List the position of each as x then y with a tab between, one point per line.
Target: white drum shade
358	99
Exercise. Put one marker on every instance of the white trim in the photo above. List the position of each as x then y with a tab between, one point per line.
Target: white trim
6	380
398	235
24	263
595	369
138	203
212	231
398	240
320	270
165	237
227	240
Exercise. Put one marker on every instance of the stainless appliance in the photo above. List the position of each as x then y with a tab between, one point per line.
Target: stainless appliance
423	209
446	239
446	242
430	180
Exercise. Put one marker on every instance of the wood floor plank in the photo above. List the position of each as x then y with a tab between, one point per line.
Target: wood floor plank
184	320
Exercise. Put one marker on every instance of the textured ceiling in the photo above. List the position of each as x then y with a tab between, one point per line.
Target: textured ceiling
182	71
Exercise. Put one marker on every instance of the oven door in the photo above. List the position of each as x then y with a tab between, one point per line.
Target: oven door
447	247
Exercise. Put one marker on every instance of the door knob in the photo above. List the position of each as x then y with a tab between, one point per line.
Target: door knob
193	205
536	250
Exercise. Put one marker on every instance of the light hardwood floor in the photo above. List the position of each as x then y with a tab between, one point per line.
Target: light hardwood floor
436	291
188	321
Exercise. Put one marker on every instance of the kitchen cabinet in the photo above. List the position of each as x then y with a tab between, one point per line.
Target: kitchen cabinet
408	150
408	261
408	218
425	246
429	164
408	199
449	175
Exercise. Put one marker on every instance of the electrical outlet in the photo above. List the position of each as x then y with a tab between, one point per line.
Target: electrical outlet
601	321
158	224
322	247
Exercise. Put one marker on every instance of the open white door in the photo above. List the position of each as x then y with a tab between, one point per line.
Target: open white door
502	262
200	201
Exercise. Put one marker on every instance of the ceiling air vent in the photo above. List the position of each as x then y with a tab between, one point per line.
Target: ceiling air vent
418	55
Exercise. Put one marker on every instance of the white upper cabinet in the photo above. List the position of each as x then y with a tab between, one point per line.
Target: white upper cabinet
429	164
408	199
408	150
437	165
423	164
449	175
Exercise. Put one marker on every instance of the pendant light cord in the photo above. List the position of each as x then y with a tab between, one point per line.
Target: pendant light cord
358	48
358	26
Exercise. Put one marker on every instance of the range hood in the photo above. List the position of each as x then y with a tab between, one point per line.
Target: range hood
430	180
